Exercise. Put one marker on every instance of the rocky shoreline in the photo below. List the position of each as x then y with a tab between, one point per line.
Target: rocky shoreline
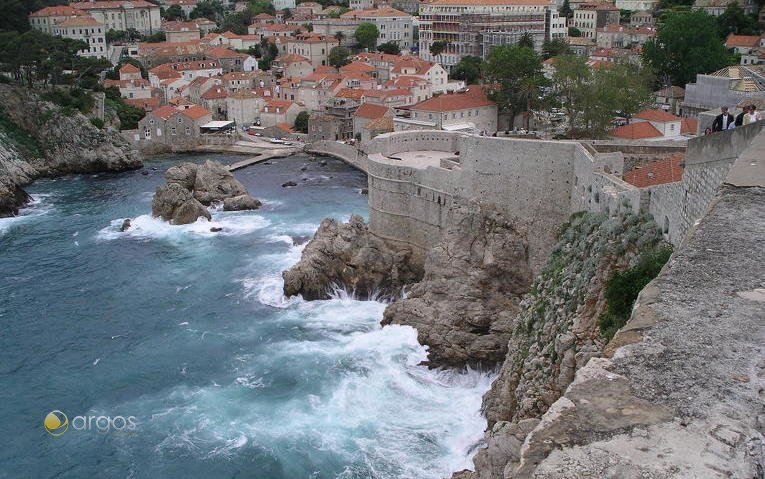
191	188
64	144
475	302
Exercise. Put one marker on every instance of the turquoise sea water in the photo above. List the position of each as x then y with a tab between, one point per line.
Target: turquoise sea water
188	332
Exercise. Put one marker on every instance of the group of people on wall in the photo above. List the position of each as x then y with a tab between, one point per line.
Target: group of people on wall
726	121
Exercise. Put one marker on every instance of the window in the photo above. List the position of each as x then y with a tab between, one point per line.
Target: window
188	130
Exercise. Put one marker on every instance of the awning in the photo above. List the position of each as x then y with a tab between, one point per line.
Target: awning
218	125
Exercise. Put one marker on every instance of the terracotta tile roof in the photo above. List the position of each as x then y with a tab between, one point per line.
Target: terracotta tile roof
636	131
264	16
181	2
490	2
283	104
79	21
286	127
656	115
215	93
356	67
384	123
292	58
145	103
666	170
195	112
164	112
187	66
452	102
57	11
371	111
750	41
129	68
224	52
689	126
180	27
112	4
354	93
169	48
375	12
324	69
386	93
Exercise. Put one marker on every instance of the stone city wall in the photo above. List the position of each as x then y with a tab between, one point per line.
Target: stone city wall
348	153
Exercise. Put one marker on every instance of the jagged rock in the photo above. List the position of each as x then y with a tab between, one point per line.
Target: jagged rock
349	256
241	202
125	225
303	168
145	173
465	306
288	184
213	182
323	163
184	174
556	332
177	205
216	229
65	144
364	191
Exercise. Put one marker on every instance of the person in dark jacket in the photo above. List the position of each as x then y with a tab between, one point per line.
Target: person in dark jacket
740	116
723	120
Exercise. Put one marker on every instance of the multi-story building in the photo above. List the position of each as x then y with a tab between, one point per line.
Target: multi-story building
470	112
360	4
717	7
172	127
122	15
473	27
642	18
282	4
186	6
86	29
637	5
313	46
181	31
46	19
393	25
589	17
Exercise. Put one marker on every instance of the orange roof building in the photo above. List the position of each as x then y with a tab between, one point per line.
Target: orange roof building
666	170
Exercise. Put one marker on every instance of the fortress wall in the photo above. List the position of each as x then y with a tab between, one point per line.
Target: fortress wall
677	206
389	144
348	153
407	205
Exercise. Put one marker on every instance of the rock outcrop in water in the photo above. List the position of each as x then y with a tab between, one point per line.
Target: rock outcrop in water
191	187
348	255
556	332
464	308
62	144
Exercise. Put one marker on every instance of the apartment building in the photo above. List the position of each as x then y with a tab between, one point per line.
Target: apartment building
474	27
86	29
313	46
46	19
589	17
140	15
393	25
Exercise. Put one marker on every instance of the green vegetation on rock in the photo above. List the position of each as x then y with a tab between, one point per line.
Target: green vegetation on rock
23	140
623	288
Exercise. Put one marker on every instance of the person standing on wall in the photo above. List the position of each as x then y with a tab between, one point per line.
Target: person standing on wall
723	120
752	116
740	116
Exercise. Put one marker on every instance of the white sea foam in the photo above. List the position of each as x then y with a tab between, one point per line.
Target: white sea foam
38	206
146	227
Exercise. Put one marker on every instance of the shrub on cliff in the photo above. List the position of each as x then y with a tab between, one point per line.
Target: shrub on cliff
623	288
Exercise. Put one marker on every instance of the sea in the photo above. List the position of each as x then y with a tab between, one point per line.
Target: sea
170	351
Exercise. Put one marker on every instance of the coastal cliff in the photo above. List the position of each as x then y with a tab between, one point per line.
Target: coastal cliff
559	329
466	304
38	139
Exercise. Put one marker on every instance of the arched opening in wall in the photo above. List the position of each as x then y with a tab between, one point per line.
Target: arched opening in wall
439	200
419	191
665	229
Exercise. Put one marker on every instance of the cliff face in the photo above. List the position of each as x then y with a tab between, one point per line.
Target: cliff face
465	306
556	331
64	145
348	255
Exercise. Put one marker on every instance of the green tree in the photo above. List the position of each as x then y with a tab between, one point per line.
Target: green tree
338	57
555	47
15	13
438	47
339	11
565	10
391	48
526	40
574	32
517	71
173	12
157	37
468	69
339	36
262	6
301	122
685	44
593	97
208	9
366	34
735	20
